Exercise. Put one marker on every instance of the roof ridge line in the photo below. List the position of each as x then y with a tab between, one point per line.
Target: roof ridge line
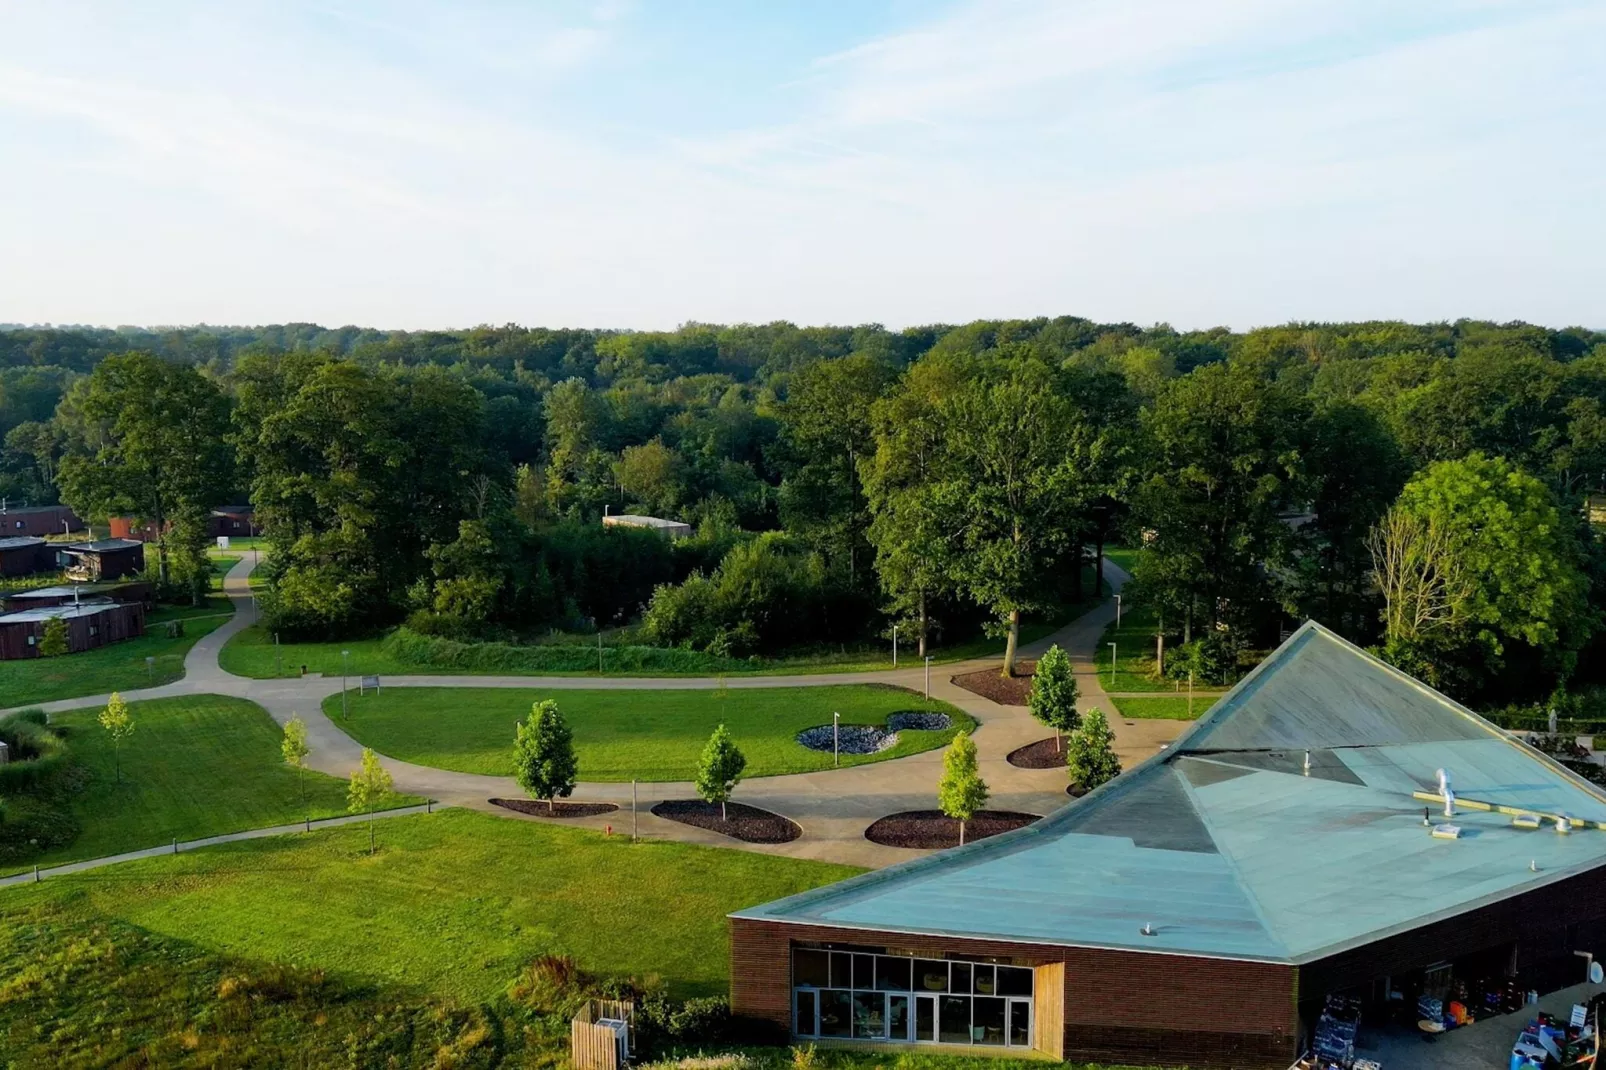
1237	875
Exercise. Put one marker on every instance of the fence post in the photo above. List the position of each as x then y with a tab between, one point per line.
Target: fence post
635	823
36	872
175	845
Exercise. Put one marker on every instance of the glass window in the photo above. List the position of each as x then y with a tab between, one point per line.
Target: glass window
1014	981
931	975
811	969
983	976
836	1014
954	1017
807	1003
864	971
869	1015
961	977
898	1017
1020	1023
892	975
925	1018
841	970
987	1022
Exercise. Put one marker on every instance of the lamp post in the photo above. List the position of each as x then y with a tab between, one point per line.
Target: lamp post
894	646
1112	666
836	739
344	654
928	678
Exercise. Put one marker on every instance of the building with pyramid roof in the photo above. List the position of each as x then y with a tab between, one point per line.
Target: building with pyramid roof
1200	908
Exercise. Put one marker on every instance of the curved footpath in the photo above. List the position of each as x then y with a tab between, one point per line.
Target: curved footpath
832	806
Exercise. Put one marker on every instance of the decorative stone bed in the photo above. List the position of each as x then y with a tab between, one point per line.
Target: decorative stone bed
560	807
746	823
931	829
872	739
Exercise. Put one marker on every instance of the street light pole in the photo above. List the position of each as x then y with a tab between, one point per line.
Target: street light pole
1112	666
894	646
836	739
343	655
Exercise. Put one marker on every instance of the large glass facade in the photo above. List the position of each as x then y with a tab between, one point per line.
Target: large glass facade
857	995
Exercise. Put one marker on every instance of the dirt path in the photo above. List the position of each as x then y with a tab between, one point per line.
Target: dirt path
832	806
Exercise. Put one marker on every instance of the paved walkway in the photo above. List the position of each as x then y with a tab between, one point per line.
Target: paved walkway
832	806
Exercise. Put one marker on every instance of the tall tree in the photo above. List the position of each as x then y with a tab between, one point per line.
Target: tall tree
544	763
149	439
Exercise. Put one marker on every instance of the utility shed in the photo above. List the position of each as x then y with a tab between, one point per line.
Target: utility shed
106	559
1200	908
89	625
24	556
672	529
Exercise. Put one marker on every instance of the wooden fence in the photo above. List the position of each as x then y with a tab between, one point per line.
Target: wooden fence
593	1046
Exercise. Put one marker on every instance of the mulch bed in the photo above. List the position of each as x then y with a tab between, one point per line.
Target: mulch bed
746	823
1005	690
1044	754
560	808
931	829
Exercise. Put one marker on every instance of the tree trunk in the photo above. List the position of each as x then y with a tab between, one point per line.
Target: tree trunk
1187	624
723	816
961	832
1058	745
1014	641
1159	646
551	806
1098	568
923	624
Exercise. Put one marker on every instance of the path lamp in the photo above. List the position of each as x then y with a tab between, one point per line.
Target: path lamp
894	646
344	654
1112	666
928	679
836	739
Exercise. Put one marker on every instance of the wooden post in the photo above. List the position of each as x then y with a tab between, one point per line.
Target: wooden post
635	822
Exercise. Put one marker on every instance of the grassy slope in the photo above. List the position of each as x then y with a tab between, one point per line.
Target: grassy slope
620	735
118	667
1169	707
452	904
193	767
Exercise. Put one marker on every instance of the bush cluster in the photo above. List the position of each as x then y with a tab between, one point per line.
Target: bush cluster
34	785
407	645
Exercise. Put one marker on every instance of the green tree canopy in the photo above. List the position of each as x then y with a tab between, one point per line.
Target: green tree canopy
118	723
53	643
544	762
1090	758
719	769
961	792
1053	697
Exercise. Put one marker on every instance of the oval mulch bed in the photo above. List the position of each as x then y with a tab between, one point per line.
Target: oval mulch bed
1044	754
932	829
560	808
746	823
1004	690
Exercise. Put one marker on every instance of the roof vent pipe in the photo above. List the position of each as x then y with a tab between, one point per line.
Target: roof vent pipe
1147	930
1449	795
1307	763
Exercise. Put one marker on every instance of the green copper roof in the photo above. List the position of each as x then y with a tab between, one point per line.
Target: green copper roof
1225	846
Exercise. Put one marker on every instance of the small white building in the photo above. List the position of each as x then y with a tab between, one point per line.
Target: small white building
672	529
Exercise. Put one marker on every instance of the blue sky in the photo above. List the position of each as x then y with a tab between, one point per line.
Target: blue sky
643	163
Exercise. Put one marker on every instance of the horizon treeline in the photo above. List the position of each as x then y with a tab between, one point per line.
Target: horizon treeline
1417	487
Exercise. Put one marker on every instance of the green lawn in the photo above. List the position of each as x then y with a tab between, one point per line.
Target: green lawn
215	606
1168	708
625	735
1134	652
118	667
452	904
193	767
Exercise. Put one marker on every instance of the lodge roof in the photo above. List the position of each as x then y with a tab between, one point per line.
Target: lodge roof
1225	846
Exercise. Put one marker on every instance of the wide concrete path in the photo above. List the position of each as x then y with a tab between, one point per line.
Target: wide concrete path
832	806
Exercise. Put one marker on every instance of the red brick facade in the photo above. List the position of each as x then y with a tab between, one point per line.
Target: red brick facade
1120	1006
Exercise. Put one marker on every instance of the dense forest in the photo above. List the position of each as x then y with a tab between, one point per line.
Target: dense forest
1420	488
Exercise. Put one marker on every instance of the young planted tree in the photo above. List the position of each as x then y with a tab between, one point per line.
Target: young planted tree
961	793
1092	759
119	724
1053	697
370	785
53	643
543	754
720	769
295	748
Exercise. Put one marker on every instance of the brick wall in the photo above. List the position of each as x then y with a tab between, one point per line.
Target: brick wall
1126	1006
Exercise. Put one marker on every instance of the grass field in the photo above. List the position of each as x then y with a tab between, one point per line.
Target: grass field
193	767
625	735
1134	650
452	904
118	667
1168	708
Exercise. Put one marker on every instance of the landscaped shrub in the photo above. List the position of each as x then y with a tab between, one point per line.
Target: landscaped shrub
38	753
435	652
32	716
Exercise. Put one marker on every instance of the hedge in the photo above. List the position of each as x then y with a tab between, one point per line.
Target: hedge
435	652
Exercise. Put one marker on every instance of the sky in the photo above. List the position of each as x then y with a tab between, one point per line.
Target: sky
646	163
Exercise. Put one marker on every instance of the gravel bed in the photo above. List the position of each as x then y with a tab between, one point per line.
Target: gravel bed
560	808
855	739
932	829
1044	754
746	823
919	721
